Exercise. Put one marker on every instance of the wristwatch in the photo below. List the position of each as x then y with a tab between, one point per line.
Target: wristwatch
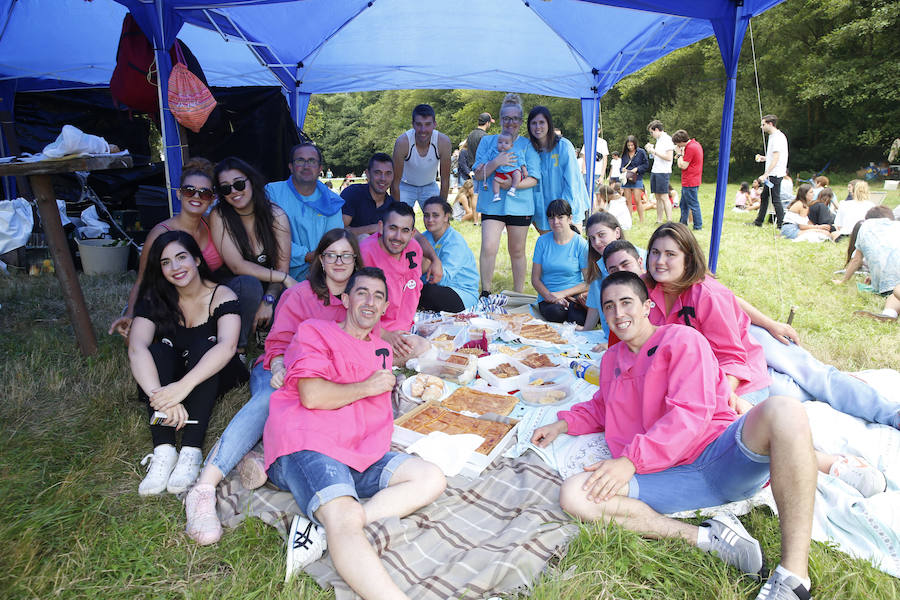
269	299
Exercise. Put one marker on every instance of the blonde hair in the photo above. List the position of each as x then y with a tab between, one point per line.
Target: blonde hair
512	99
861	191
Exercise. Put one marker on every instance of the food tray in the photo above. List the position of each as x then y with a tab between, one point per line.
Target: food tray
477	461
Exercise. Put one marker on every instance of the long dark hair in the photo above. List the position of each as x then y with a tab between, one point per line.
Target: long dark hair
263	214
637	147
157	292
695	269
317	271
539	144
609	221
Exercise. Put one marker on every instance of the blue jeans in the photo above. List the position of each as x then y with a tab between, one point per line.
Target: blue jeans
246	428
315	479
726	471
249	292
798	374
691	202
411	194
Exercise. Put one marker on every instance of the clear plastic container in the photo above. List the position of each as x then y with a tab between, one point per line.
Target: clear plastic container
506	384
490	327
456	368
547	387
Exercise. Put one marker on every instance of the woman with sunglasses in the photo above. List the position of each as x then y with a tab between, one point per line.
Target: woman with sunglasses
195	193
182	353
254	237
335	259
511	212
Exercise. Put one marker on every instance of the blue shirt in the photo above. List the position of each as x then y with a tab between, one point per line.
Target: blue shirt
522	205
593	298
310	217
560	178
460	273
561	265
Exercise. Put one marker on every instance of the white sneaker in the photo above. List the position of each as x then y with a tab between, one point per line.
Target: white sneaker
186	471
305	544
859	473
162	461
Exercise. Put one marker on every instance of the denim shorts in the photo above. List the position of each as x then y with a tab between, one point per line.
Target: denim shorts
726	471
659	183
315	479
790	231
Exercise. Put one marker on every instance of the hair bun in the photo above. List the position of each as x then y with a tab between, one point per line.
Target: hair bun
197	166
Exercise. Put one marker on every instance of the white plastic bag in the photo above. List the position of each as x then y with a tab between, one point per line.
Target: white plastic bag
74	141
93	226
16	223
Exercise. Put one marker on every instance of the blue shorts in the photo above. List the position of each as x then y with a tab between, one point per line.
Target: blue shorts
726	471
315	479
659	183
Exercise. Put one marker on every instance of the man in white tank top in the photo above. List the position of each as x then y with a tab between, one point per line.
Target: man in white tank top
418	155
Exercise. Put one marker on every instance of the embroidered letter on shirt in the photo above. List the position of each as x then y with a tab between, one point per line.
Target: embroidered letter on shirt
686	313
411	255
383	353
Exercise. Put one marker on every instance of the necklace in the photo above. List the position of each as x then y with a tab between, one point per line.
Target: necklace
246	214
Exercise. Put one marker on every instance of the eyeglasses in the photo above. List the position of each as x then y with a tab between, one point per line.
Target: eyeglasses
329	258
239	185
189	191
511	119
309	162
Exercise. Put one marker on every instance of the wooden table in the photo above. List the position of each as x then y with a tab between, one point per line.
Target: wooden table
40	174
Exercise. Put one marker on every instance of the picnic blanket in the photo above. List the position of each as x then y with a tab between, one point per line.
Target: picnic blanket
482	537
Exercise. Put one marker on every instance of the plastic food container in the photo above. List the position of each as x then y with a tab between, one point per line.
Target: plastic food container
490	327
426	328
456	368
547	387
506	384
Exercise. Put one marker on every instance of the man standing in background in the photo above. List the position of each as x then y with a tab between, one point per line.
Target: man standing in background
689	154
776	160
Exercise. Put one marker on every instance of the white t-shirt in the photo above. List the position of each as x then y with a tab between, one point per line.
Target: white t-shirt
615	168
602	149
664	144
777	143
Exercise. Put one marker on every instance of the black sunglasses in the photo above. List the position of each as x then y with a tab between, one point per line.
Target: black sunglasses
189	191
239	185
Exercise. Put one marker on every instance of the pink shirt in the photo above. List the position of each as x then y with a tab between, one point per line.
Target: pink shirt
404	280
712	309
357	434
661	407
297	304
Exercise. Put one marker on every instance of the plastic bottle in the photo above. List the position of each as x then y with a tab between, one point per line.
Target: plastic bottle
586	370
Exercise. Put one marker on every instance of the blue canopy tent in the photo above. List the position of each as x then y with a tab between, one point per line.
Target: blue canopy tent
567	48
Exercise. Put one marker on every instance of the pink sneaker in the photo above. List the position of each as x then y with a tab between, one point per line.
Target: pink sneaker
252	470
202	521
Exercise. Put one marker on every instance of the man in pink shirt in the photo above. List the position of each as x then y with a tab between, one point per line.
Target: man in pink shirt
678	445
328	436
399	255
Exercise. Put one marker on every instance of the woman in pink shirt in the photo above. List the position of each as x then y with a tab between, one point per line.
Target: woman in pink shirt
336	258
683	291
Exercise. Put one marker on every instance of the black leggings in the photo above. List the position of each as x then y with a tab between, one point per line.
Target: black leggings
556	313
171	365
437	297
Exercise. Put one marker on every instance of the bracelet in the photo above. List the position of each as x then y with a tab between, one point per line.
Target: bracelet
271	274
283	279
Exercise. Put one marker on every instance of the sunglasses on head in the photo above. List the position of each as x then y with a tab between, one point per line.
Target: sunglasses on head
189	191
239	185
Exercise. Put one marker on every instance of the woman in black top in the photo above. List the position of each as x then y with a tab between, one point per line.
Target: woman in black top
182	352
819	211
254	237
634	160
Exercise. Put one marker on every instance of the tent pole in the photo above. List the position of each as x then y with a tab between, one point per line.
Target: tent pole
168	127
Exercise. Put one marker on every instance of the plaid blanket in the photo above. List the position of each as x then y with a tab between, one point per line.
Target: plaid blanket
492	535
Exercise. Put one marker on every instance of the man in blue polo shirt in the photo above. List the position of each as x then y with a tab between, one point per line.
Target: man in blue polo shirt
312	208
366	203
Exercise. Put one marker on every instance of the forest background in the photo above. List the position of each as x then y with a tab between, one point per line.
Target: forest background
829	69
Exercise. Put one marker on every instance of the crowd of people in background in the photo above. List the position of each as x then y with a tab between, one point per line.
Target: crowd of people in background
336	280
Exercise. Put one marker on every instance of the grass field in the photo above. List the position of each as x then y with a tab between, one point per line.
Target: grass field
73	526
